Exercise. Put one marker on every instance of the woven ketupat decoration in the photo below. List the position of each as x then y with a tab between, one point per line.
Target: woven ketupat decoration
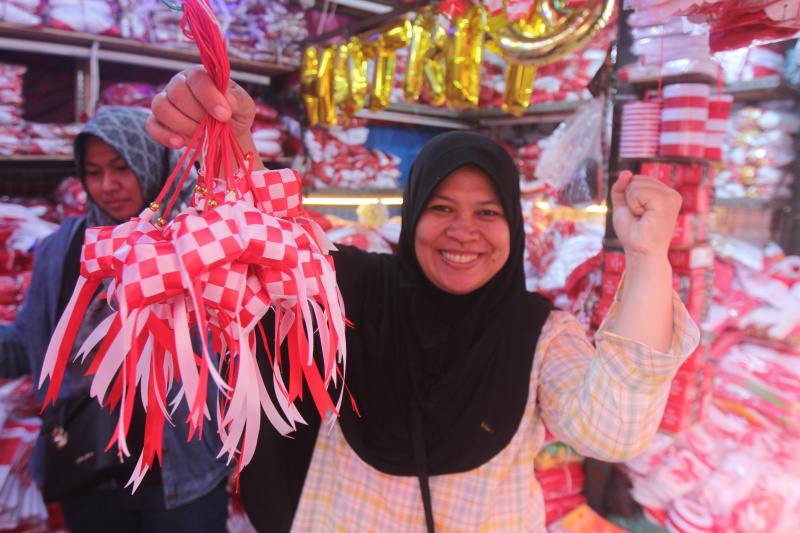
246	245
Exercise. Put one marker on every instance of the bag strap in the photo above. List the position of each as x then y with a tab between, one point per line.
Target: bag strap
421	461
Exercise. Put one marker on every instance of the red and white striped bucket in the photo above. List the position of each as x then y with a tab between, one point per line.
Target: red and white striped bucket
684	113
639	133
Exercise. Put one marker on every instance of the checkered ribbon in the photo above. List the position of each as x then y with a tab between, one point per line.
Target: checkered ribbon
243	247
220	269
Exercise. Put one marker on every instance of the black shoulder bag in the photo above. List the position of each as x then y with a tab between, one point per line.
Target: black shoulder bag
76	430
76	434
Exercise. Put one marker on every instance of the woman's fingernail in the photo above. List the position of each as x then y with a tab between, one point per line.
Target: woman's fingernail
176	142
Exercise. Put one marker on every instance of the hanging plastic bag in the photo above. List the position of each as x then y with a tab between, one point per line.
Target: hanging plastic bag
571	163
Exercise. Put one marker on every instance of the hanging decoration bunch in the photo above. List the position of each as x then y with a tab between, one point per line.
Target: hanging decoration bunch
245	246
445	46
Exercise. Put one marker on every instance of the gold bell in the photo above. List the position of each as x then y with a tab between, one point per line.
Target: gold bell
161	222
212	203
154	206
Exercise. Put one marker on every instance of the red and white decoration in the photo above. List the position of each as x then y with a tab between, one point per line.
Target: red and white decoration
245	246
684	112
639	130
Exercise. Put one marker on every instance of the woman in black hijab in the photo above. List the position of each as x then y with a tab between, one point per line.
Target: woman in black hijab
453	365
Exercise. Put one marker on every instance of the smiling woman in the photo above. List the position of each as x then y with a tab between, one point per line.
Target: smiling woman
462	237
455	367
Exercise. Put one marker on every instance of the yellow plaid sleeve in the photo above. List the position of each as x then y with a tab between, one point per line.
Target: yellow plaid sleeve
607	402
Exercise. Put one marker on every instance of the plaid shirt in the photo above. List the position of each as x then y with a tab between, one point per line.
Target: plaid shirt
607	403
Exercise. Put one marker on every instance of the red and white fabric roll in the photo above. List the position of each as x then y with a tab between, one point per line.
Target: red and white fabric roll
684	114
719	110
639	134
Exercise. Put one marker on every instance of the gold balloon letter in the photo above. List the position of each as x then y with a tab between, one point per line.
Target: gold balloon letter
463	60
309	84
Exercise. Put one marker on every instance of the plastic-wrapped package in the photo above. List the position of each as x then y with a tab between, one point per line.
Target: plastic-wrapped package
757	153
21	12
555	454
654	50
339	159
668	47
746	64
89	16
358	235
733	24
21	504
11	84
71	197
135	20
563	260
267	31
128	94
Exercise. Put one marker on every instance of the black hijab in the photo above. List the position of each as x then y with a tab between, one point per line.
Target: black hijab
448	373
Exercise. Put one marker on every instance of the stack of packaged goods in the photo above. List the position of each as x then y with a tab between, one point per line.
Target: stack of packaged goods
666	47
129	94
736	471
757	152
21	505
21	229
51	138
563	258
340	159
88	16
271	32
266	31
18	136
559	470
753	62
12	127
268	132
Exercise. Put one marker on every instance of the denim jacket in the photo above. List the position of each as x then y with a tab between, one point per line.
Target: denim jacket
190	469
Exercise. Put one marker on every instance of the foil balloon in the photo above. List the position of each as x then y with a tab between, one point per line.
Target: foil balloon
566	30
327	107
340	79
309	84
425	52
349	78
434	71
417	46
357	75
519	87
463	60
384	44
519	78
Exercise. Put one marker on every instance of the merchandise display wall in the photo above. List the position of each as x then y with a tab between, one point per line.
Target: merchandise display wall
732	413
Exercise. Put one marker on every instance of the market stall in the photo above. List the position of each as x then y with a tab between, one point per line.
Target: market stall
699	95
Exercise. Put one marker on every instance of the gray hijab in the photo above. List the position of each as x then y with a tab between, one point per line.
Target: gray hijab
124	129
